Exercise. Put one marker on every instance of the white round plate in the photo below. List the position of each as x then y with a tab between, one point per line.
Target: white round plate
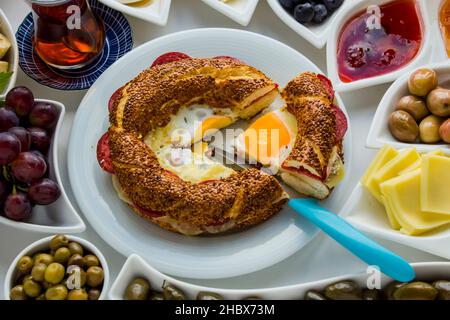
192	257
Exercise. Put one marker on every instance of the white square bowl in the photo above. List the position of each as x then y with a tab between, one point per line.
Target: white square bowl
240	11
422	57
379	133
135	267
13	54
156	11
60	216
317	35
365	213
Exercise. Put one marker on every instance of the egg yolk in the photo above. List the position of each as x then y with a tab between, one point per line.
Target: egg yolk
211	124
266	138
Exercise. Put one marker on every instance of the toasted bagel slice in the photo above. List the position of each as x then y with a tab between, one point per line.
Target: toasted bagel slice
224	90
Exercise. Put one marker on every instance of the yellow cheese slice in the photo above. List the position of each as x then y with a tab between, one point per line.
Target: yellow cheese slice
402	199
393	168
417	165
383	156
435	191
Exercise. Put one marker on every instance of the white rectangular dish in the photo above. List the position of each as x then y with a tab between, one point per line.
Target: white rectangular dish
13	54
60	216
135	267
240	11
154	11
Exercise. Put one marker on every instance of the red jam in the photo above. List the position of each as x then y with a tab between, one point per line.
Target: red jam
365	50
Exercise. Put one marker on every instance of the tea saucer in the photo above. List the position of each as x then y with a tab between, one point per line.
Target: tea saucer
118	41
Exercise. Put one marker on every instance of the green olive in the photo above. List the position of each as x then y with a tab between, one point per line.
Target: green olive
416	291
41	297
62	255
422	81
25	264
77	294
156	296
95	276
91	261
58	241
439	102
403	126
138	289
443	288
38	272
344	290
94	294
414	106
203	295
54	273
391	288
429	129
76	274
17	293
314	295
76	260
58	292
32	288
371	294
75	247
27	277
44	258
172	293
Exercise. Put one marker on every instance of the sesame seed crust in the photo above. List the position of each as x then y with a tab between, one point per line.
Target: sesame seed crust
245	198
310	102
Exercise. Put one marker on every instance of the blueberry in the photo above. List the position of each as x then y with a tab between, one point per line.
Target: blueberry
304	13
332	4
320	13
289	4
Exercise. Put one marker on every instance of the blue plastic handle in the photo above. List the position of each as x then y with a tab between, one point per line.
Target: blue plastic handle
353	240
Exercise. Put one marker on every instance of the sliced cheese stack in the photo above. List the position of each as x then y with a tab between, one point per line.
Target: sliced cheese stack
414	189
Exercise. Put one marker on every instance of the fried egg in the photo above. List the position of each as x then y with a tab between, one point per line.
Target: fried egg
179	148
269	140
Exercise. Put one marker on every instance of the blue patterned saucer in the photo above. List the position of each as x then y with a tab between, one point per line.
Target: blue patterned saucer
118	41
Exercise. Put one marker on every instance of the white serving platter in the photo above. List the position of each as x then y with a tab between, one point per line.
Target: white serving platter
135	267
379	133
364	212
13	54
203	258
240	11
423	56
317	35
60	216
154	11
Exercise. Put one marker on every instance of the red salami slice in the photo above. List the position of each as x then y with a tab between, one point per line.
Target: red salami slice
327	83
341	123
170	57
104	154
149	213
113	98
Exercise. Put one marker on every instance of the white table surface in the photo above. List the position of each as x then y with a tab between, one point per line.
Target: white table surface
322	258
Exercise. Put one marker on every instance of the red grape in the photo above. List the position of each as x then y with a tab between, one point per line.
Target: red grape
17	206
8	119
28	167
9	147
4	190
21	99
24	137
43	115
40	139
44	192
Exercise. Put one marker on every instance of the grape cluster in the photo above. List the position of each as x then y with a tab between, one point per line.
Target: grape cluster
311	11
25	135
